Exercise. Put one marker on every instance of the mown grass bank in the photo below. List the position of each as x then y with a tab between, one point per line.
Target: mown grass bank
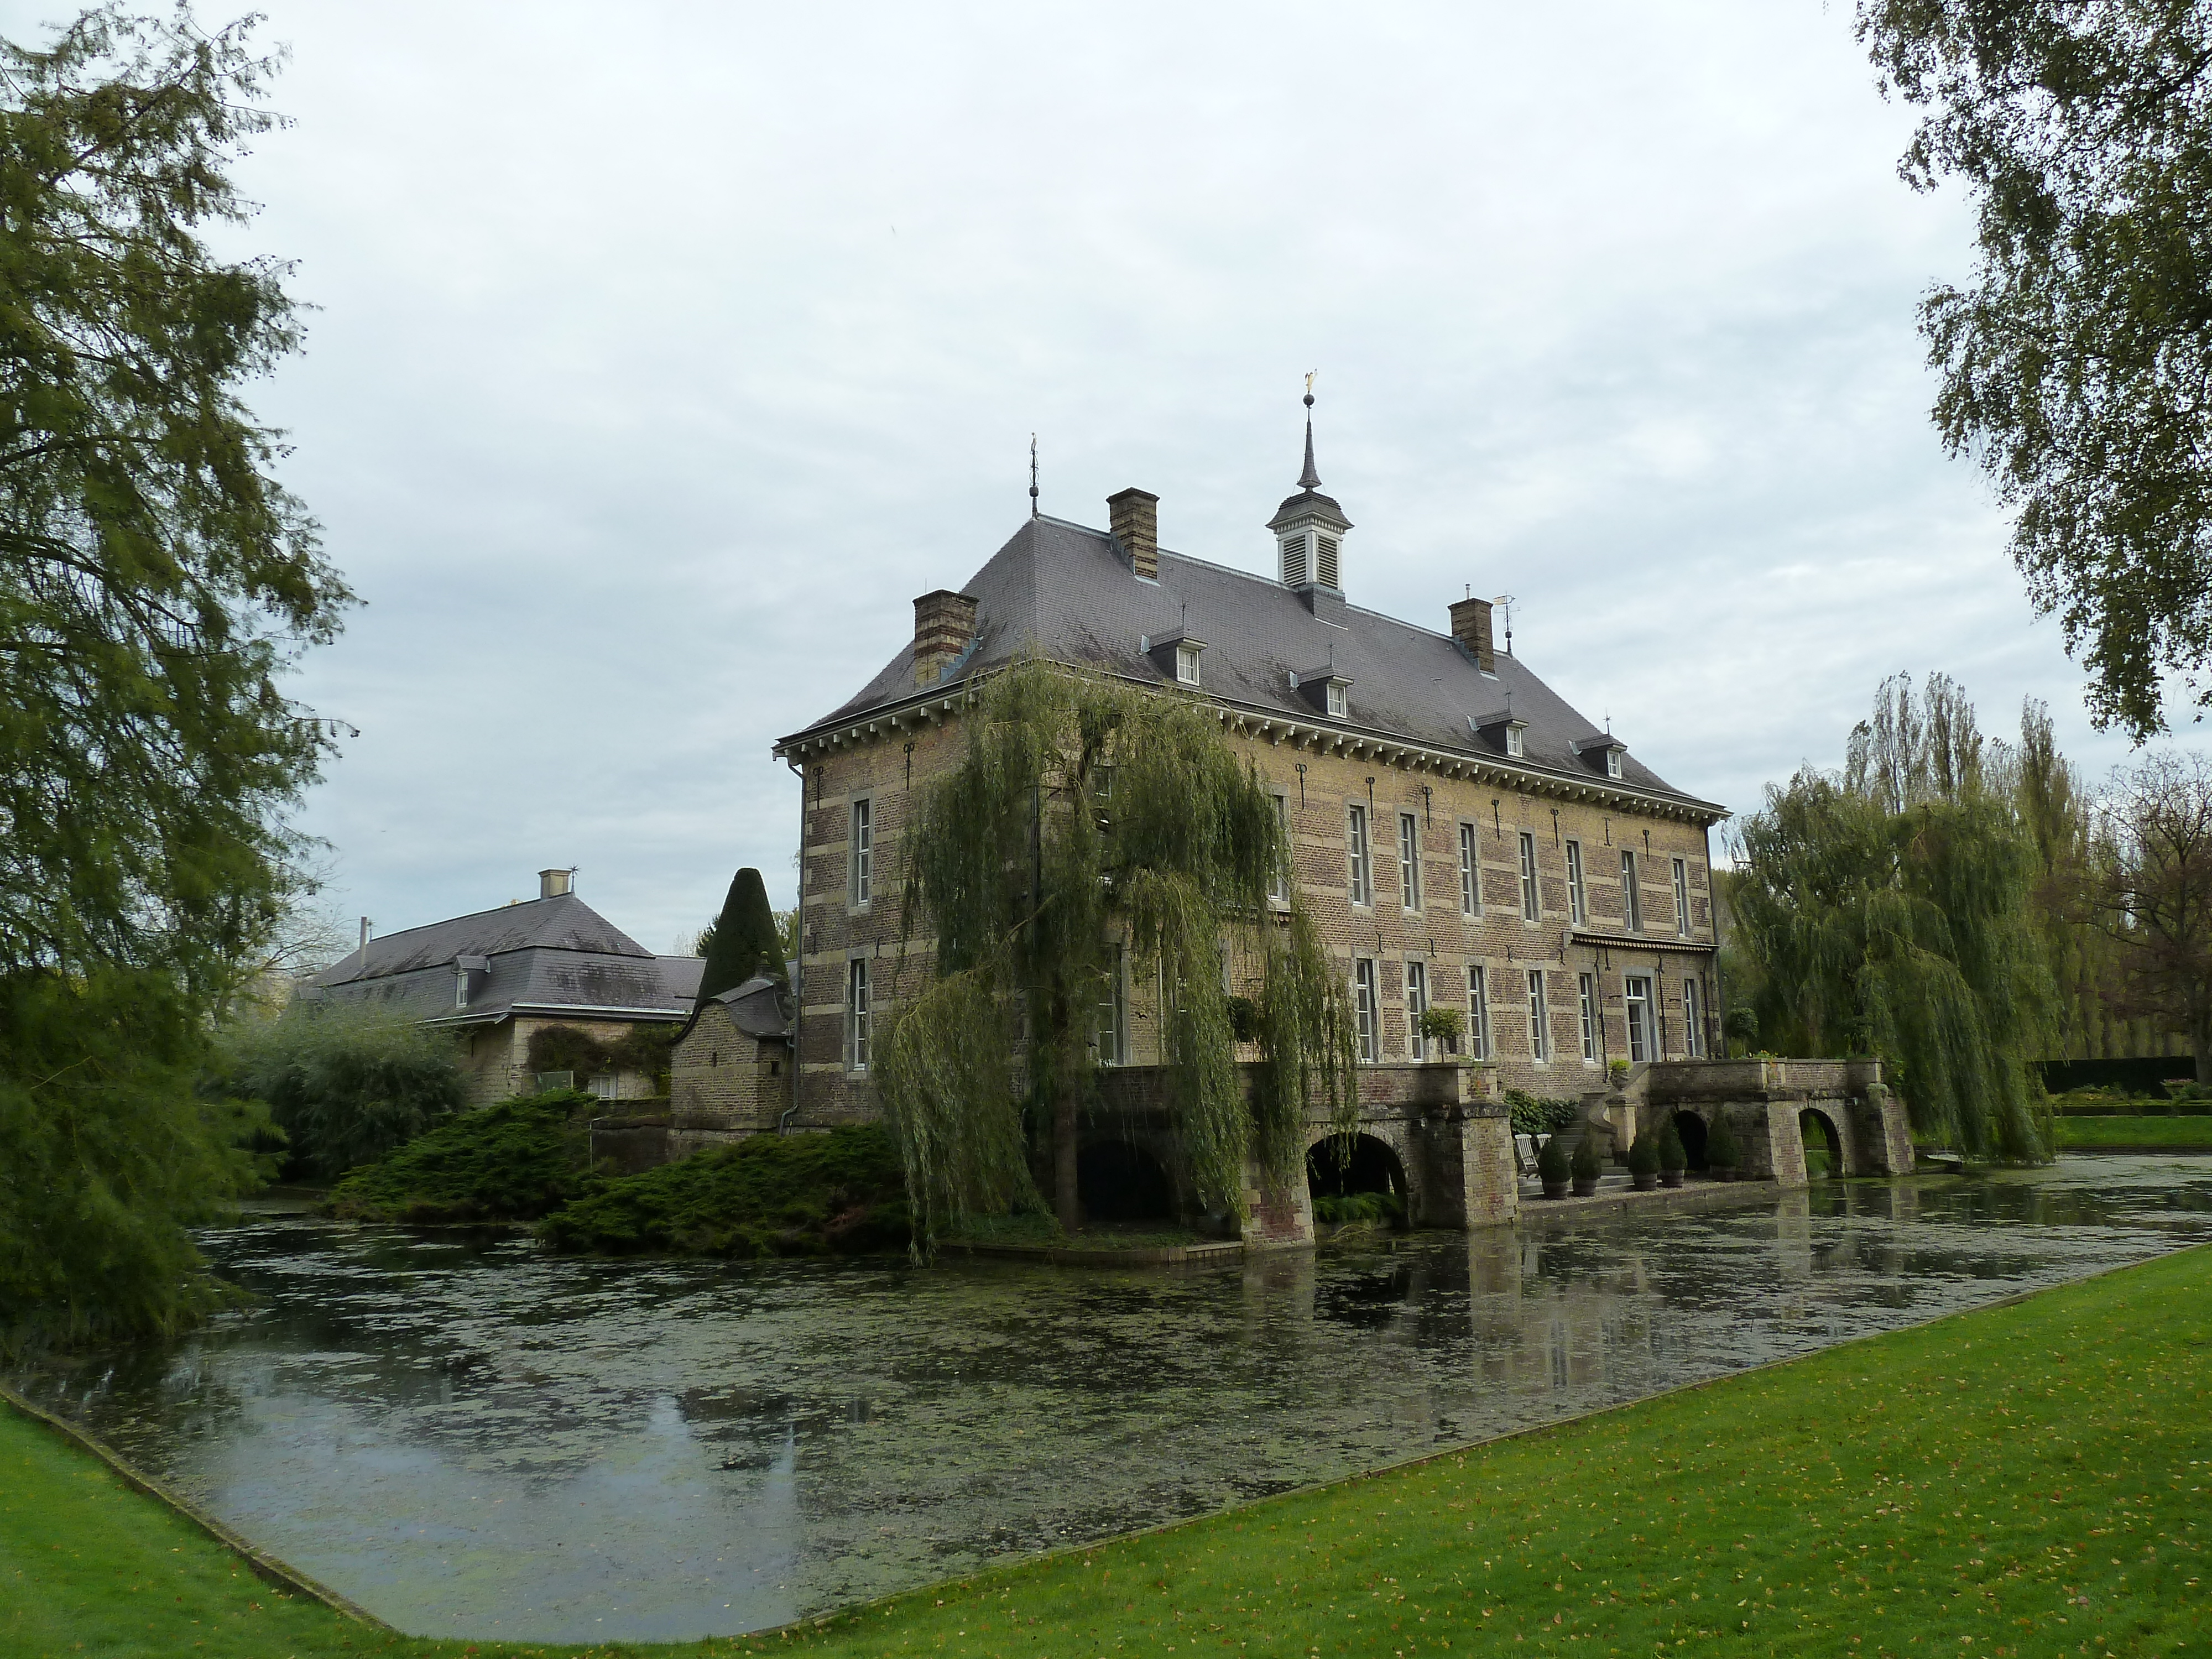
2027	1479
2088	1134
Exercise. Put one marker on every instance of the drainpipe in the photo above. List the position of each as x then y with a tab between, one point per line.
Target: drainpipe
798	958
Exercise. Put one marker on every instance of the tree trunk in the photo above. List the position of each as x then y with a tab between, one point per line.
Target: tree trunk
1066	1201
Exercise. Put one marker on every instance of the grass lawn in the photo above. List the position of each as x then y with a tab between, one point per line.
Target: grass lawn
2088	1134
2027	1479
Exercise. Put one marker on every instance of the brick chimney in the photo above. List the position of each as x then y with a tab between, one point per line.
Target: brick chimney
1135	522
555	883
1470	620
943	628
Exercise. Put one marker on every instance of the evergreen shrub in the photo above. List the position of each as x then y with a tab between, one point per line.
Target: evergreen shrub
1586	1164
1382	1209
842	1193
1671	1155
1721	1149
1552	1163
1532	1114
1644	1152
513	1161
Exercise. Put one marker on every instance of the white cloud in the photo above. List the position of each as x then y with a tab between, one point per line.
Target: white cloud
665	352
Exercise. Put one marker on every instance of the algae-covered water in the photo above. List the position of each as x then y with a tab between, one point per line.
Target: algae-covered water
470	1438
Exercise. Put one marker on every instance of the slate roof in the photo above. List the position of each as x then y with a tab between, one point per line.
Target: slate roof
1065	591
552	956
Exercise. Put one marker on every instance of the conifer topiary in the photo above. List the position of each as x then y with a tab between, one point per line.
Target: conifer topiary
1552	1163
1671	1155
1644	1154
1720	1149
745	939
1586	1165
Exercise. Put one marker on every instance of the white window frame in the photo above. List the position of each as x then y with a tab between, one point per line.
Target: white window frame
1515	747
1578	896
1186	665
1637	1005
1612	763
858	1014
1694	1019
1279	888
1540	1023
1409	862
1113	1019
1360	854
1470	870
1532	906
1332	700
1477	1012
1367	1009
1417	1003
861	851
1682	897
1632	892
1586	997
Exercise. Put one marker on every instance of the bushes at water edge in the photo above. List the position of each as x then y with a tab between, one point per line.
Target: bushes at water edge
841	1192
513	1161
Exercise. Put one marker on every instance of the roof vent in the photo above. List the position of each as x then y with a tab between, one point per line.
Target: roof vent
555	883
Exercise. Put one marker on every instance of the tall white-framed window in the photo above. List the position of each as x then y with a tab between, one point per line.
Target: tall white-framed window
1280	889
1335	698
1636	996
1631	895
856	1014
1361	877
1514	745
1539	1032
1478	1012
1612	763
1114	1014
1693	1020
1682	897
1577	897
1187	664
1409	862
1367	1009
1530	909
862	887
1417	1003
1470	891
1586	1004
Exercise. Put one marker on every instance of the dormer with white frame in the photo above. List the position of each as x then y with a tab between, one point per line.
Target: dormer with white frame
1327	690
1506	732
1603	751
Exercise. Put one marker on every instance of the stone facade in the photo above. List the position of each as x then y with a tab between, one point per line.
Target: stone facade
725	1083
496	1059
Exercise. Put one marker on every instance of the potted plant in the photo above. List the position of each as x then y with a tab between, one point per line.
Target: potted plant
1586	1166
1673	1160
1441	1026
1644	1160
1616	1071
1553	1168
1722	1153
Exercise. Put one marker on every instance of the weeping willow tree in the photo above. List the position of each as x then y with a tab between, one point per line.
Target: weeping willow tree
1090	823
1893	912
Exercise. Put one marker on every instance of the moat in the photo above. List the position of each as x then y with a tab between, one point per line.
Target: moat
470	1438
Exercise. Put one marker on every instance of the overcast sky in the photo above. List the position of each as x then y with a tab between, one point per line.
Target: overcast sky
664	353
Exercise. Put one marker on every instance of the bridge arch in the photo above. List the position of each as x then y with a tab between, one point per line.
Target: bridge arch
1824	1144
1338	1176
1691	1129
1117	1180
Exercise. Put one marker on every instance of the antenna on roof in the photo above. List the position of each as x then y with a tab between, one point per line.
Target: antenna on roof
1033	487
1506	600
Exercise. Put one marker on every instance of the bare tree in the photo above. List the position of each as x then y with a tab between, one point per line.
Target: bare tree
2153	891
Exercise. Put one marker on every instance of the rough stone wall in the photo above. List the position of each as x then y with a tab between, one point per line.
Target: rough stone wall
497	1057
724	1083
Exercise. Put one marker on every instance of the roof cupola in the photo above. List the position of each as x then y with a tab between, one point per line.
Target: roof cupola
1309	526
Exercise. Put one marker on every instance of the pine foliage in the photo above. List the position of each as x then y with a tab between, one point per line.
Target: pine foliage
1090	821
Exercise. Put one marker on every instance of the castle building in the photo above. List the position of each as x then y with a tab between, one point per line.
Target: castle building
1463	836
497	978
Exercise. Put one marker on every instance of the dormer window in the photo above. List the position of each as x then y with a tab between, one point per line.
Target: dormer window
1503	732
1176	655
1336	698
1185	661
1514	744
1612	763
1603	749
1324	689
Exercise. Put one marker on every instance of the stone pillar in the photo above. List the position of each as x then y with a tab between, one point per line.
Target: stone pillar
1490	1180
1785	1144
1276	1221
